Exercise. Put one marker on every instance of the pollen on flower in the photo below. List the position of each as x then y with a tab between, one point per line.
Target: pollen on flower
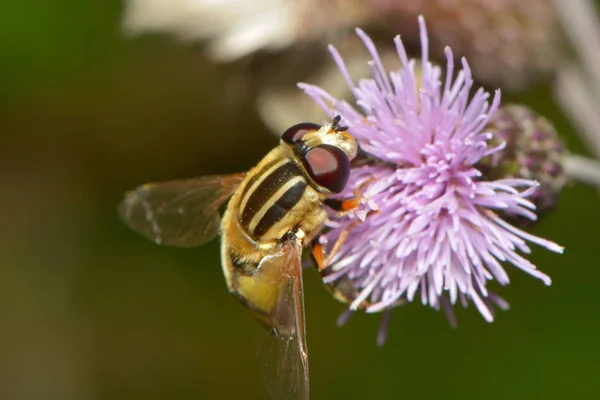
437	236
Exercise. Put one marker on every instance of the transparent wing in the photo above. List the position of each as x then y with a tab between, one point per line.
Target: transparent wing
183	213
283	355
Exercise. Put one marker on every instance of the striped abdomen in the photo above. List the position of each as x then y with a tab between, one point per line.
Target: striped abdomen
271	198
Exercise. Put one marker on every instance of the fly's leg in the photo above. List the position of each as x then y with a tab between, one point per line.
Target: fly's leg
341	207
344	206
318	252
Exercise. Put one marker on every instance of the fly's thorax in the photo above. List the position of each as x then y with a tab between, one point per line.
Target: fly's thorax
274	198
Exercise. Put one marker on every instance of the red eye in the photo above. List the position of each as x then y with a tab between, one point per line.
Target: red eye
328	166
297	131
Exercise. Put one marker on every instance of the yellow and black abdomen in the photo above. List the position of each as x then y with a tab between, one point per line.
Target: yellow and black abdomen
276	198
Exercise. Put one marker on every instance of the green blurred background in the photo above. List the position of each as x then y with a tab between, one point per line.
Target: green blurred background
91	310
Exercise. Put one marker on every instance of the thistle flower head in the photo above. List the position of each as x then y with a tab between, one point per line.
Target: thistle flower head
430	228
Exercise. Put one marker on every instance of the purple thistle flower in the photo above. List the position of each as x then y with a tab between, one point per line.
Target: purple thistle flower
429	228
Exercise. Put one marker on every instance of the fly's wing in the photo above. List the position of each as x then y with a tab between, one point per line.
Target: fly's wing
183	213
282	355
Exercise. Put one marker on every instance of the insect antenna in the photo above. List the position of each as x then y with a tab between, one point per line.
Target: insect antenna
335	125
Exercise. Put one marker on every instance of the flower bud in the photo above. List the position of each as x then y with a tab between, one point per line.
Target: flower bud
533	151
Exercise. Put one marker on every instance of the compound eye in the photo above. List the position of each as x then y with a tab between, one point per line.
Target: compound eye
297	131
328	166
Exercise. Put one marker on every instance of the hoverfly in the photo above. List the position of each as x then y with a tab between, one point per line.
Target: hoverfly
276	209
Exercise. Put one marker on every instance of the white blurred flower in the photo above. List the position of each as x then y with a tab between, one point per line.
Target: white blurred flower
236	28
